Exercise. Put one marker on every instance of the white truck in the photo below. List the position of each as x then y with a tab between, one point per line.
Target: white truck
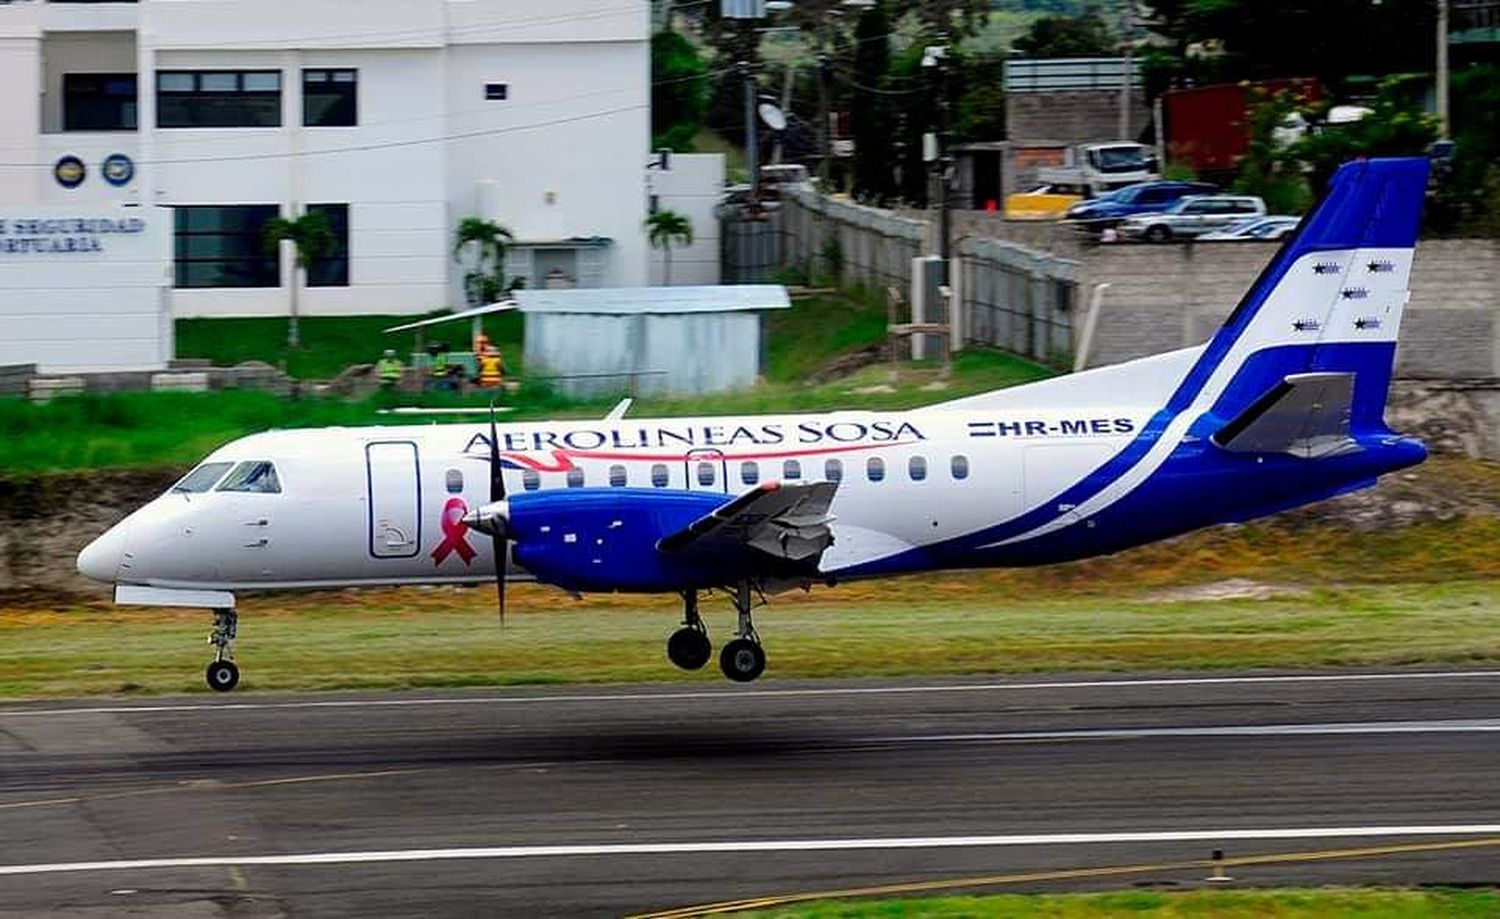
1092	170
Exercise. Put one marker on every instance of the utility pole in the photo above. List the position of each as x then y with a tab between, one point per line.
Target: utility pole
752	150
825	130
1444	127
1126	71
935	57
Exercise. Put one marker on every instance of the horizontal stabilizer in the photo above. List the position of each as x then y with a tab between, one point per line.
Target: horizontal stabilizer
1306	415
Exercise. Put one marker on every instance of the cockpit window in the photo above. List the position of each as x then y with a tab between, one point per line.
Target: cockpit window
254	476
202	478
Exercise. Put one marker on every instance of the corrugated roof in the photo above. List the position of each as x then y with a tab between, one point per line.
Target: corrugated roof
727	298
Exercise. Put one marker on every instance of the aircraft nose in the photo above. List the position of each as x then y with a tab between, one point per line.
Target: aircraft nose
100	559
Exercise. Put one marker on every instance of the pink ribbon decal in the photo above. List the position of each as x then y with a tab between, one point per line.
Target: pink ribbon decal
455	533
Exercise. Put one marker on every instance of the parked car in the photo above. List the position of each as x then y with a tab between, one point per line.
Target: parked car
1192	217
1276	227
1144	198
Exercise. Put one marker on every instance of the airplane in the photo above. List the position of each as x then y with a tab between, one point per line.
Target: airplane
1284	406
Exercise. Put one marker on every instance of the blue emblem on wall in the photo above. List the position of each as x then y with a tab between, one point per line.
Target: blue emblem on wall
118	169
70	171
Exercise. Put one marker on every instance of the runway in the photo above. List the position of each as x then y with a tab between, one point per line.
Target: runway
639	799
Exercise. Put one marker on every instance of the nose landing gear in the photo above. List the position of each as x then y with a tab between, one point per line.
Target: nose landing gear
222	674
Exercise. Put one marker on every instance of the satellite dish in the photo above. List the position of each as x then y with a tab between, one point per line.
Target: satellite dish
772	116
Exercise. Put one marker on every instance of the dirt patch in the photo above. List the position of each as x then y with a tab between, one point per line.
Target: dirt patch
1231	589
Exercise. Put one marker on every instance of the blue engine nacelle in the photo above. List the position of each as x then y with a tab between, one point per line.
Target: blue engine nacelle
601	539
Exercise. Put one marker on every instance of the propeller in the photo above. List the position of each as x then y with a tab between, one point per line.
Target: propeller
494	517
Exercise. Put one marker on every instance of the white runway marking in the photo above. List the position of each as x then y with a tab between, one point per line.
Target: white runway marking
1471	726
761	845
742	694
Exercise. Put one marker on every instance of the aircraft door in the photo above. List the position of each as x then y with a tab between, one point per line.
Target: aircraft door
706	470
395	499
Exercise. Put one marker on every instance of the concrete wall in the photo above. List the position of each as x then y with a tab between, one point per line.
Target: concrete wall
75	299
1165	297
692	185
1072	117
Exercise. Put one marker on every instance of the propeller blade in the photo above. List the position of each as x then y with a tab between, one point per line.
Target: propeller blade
497	493
497	475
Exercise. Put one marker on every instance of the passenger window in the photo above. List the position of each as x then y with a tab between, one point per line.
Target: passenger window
959	466
705	473
833	470
875	469
749	472
791	469
575	477
531	480
659	476
254	476
202	478
453	480
916	467
617	476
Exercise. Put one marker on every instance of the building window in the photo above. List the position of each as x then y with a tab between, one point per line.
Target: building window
575	477
617	476
333	269
330	98
531	480
218	99
224	246
659	477
916	467
705	474
749	472
833	470
960	467
791	469
99	102
875	468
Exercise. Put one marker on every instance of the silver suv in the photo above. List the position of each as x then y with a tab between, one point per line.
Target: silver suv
1192	217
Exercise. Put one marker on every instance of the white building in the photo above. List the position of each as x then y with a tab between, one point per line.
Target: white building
396	118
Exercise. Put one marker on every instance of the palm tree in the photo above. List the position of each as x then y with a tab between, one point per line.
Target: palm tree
312	239
664	228
486	281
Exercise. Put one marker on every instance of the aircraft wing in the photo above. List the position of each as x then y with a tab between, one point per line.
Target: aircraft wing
1306	415
773	526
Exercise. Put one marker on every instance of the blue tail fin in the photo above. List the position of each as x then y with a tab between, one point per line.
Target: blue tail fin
1329	302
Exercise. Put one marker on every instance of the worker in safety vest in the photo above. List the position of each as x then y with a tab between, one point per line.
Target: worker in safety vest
491	369
389	369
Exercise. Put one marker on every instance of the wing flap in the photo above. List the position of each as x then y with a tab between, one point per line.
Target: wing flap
785	522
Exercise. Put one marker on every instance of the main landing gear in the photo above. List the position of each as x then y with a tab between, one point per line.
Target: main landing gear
222	674
742	659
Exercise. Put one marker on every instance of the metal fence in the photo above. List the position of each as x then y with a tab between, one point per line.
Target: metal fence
1009	297
1018	300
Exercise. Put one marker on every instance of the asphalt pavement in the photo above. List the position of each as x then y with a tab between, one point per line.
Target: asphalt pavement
635	799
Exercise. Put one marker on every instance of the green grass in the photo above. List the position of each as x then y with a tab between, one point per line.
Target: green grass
178	429
1327	903
329	343
943	625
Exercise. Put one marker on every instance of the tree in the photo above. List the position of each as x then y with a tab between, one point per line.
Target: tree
1068	36
664	228
312	239
485	281
679	91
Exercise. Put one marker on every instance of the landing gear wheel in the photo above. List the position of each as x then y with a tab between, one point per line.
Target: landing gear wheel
689	648
223	676
742	660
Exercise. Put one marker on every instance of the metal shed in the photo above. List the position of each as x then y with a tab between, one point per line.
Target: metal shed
648	340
